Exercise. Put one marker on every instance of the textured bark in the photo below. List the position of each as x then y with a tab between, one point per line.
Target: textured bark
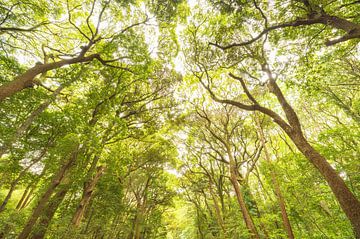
49	212
280	198
87	195
219	216
38	210
240	198
26	79
347	200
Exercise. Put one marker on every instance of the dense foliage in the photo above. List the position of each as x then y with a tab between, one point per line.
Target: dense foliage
179	119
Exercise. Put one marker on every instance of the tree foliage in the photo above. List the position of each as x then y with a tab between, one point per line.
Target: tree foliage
179	119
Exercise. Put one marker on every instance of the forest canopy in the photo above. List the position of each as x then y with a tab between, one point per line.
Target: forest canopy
197	119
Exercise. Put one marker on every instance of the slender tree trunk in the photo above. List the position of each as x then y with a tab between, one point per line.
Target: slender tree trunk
27	199
49	212
23	197
240	197
88	221
138	221
217	209
198	223
19	177
87	195
45	197
24	201
280	198
11	190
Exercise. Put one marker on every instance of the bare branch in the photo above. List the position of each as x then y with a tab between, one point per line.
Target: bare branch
88	19
9	11
246	90
16	29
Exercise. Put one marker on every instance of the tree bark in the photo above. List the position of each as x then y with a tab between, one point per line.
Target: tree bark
25	193
87	195
240	197
49	212
26	79
347	200
345	197
138	221
38	210
280	198
27	199
219	217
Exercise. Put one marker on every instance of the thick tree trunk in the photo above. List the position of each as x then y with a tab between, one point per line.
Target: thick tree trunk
38	210
346	198
26	79
280	198
87	195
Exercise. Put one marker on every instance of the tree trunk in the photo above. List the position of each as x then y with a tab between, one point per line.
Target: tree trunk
16	181
23	197
217	209
27	199
240	197
88	222
138	221
45	197
87	195
26	79
280	198
49	212
11	190
346	198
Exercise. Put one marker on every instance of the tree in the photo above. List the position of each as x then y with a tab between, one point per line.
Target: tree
179	119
